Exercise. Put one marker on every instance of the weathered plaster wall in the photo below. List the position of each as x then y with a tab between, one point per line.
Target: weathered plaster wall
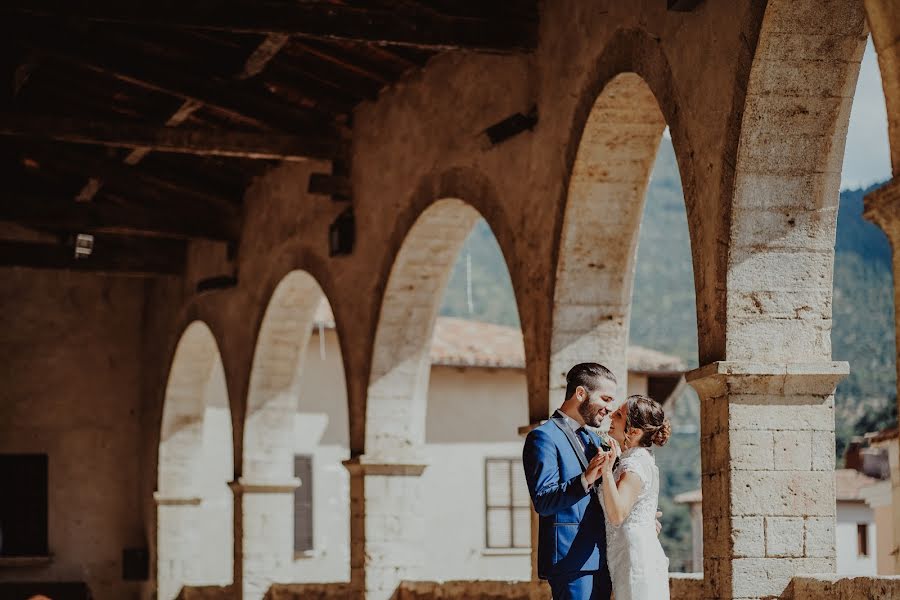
71	389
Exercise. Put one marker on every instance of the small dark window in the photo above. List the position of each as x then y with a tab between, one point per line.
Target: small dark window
303	505
507	505
862	539
23	505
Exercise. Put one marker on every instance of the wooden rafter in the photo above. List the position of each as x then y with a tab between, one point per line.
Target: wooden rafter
418	28
116	255
126	179
265	52
126	134
90	217
229	97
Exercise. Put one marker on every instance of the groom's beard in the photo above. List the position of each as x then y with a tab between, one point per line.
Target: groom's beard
590	413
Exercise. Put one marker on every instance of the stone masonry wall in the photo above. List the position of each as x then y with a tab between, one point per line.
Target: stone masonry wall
71	389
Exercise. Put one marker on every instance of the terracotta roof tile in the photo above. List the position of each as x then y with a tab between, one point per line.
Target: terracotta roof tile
466	343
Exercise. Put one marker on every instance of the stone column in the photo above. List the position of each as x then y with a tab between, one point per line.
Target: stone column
176	542
883	209
387	525
263	534
767	452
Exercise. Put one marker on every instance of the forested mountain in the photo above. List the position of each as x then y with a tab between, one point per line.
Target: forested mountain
664	318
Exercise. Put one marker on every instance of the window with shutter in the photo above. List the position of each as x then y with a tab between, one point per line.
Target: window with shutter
303	505
507	504
23	505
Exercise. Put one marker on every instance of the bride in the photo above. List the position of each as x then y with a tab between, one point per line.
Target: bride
629	493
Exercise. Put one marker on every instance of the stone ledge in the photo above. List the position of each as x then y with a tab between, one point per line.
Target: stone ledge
683	586
746	377
162	500
244	486
206	592
836	587
367	465
25	562
309	591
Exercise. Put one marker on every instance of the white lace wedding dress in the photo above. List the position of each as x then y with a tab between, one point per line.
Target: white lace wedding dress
637	564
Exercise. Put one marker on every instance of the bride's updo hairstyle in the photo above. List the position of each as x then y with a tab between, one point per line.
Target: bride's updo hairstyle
647	415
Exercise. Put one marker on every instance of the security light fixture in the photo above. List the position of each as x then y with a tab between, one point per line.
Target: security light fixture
84	245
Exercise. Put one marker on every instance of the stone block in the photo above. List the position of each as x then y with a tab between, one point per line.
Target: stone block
823	451
782	493
793	450
770	577
784	536
819	537
751	450
797	413
748	537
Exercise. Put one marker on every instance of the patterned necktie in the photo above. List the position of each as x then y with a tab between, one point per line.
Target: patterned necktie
585	438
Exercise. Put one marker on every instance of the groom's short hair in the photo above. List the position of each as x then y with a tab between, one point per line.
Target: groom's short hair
588	376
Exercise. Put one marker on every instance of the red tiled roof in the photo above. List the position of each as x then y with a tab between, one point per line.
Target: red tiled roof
467	343
848	483
891	433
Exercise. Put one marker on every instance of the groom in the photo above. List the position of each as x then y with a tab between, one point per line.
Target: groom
571	536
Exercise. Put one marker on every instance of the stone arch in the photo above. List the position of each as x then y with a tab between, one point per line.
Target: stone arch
264	492
195	463
442	213
273	394
787	177
398	384
598	243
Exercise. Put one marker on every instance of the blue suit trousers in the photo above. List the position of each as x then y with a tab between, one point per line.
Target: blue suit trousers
582	586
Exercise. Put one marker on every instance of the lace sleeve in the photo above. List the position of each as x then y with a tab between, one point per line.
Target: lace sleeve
638	466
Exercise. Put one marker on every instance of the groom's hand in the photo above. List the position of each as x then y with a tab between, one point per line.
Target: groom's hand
658	524
595	467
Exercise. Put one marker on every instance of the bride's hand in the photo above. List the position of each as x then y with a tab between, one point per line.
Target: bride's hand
614	453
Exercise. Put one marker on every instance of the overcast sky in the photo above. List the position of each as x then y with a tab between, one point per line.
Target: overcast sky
867	157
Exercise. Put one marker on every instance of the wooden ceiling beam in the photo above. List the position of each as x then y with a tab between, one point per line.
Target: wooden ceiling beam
317	20
114	255
126	134
265	52
99	54
91	217
127	179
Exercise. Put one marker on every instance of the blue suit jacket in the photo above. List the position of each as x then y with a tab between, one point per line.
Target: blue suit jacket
572	534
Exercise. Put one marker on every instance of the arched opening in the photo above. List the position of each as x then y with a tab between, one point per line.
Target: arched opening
631	305
294	491
664	319
448	390
194	503
595	271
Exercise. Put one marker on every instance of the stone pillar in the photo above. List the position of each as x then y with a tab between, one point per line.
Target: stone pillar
263	534
767	452
176	542
387	525
883	209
